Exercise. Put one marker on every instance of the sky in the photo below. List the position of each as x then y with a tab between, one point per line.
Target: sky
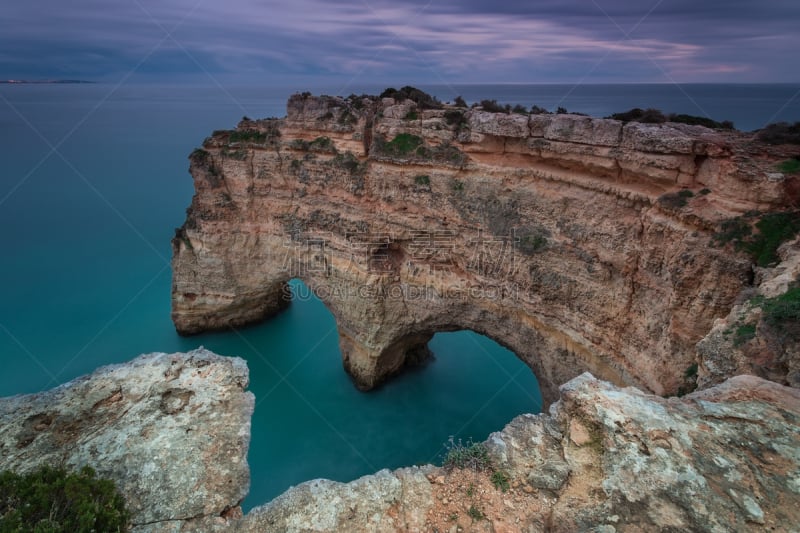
424	41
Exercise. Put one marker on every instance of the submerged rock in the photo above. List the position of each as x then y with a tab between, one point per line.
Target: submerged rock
172	430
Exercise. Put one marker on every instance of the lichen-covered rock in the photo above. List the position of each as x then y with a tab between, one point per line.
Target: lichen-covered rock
380	503
172	430
603	459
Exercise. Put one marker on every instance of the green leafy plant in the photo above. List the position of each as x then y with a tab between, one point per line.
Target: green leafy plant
469	455
458	185
475	513
54	500
422	179
411	115
685	193
500	480
744	333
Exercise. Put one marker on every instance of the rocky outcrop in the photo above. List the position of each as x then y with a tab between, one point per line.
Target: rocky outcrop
761	334
581	244
604	459
172	430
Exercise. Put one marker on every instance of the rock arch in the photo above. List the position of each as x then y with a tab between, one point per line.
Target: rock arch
561	237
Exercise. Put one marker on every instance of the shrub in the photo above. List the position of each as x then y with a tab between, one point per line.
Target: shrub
455	118
780	133
492	106
422	179
53	500
403	144
561	110
647	116
472	456
536	110
704	191
250	136
790	166
744	333
475	513
411	115
700	121
773	230
200	155
459	102
458	185
322	144
673	200
520	109
783	312
421	98
685	193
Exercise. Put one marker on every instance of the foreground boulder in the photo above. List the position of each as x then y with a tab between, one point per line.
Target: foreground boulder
172	430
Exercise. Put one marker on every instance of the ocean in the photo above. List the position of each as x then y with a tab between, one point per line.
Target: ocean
93	182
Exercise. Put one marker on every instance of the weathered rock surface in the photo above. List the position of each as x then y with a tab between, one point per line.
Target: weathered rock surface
604	459
172	430
748	340
560	236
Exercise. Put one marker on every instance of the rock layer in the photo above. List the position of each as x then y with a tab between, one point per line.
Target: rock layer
562	237
172	430
604	459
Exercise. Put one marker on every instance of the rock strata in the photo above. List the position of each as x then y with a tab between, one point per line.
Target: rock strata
581	244
172	430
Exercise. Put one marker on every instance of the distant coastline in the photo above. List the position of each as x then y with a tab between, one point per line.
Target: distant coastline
40	82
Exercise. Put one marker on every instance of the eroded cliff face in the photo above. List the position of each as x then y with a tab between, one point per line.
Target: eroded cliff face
565	238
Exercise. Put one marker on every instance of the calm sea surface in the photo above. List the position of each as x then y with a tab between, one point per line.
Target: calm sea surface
93	181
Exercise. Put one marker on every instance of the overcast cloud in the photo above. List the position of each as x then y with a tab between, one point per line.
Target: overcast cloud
375	40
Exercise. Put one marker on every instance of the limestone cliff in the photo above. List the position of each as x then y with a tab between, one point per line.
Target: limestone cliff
172	430
581	244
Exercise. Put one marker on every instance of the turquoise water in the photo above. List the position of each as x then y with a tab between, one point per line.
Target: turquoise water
84	238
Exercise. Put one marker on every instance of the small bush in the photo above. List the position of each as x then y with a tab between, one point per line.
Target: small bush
411	115
704	191
459	102
322	144
691	371
780	133
249	136
744	333
685	193
500	480
673	200
646	116
458	185
422	179
520	109
403	144
475	513
472	456
773	230
536	110
421	98
53	500
492	106
790	166
455	118
783	312
561	110
200	155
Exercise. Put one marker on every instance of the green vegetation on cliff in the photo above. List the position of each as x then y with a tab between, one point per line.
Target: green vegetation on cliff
655	116
53	500
772	230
